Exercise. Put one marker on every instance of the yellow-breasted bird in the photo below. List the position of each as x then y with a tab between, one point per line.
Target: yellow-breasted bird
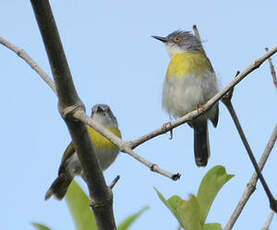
105	150
190	82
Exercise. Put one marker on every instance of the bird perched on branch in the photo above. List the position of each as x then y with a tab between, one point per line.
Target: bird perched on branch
105	150
190	82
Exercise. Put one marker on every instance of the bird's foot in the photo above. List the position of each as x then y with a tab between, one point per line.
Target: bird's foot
165	126
199	107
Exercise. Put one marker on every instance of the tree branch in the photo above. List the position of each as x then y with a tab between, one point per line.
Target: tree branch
69	102
123	146
269	220
272	70
227	100
251	185
196	32
116	179
21	53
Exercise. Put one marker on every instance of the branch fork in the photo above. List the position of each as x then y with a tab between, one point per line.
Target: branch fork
68	111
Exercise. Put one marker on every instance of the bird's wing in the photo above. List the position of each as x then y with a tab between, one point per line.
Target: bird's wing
69	151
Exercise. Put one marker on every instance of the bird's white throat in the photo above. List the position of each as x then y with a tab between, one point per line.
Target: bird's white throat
173	49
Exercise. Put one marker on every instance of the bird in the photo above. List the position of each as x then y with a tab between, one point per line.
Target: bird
106	152
190	82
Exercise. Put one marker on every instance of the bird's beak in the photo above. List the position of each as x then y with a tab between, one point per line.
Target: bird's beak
162	39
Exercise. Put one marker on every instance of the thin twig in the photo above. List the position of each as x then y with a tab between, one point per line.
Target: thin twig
251	185
21	53
151	166
269	220
116	179
196	32
272	70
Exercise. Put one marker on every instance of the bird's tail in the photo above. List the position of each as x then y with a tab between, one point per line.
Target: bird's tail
59	186
201	143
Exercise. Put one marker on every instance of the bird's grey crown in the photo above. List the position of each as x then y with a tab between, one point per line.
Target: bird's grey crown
104	115
188	41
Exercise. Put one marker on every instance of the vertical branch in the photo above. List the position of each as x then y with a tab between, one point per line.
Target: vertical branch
69	102
196	32
272	70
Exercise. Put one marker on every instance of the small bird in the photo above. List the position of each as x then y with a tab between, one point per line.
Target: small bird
105	150
190	82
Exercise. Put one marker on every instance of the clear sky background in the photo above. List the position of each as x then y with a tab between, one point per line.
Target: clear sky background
114	60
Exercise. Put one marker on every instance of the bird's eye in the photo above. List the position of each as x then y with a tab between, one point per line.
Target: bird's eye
178	39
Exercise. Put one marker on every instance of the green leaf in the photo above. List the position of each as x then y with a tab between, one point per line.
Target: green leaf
125	224
186	212
213	226
40	226
210	186
78	203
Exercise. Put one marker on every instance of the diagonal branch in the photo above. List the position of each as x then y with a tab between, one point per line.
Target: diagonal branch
272	70
123	146
269	220
227	101
69	102
21	53
251	185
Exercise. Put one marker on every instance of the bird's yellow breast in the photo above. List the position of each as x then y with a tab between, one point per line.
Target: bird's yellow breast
185	64
100	141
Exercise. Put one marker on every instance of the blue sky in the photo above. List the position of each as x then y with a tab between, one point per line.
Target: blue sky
114	60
